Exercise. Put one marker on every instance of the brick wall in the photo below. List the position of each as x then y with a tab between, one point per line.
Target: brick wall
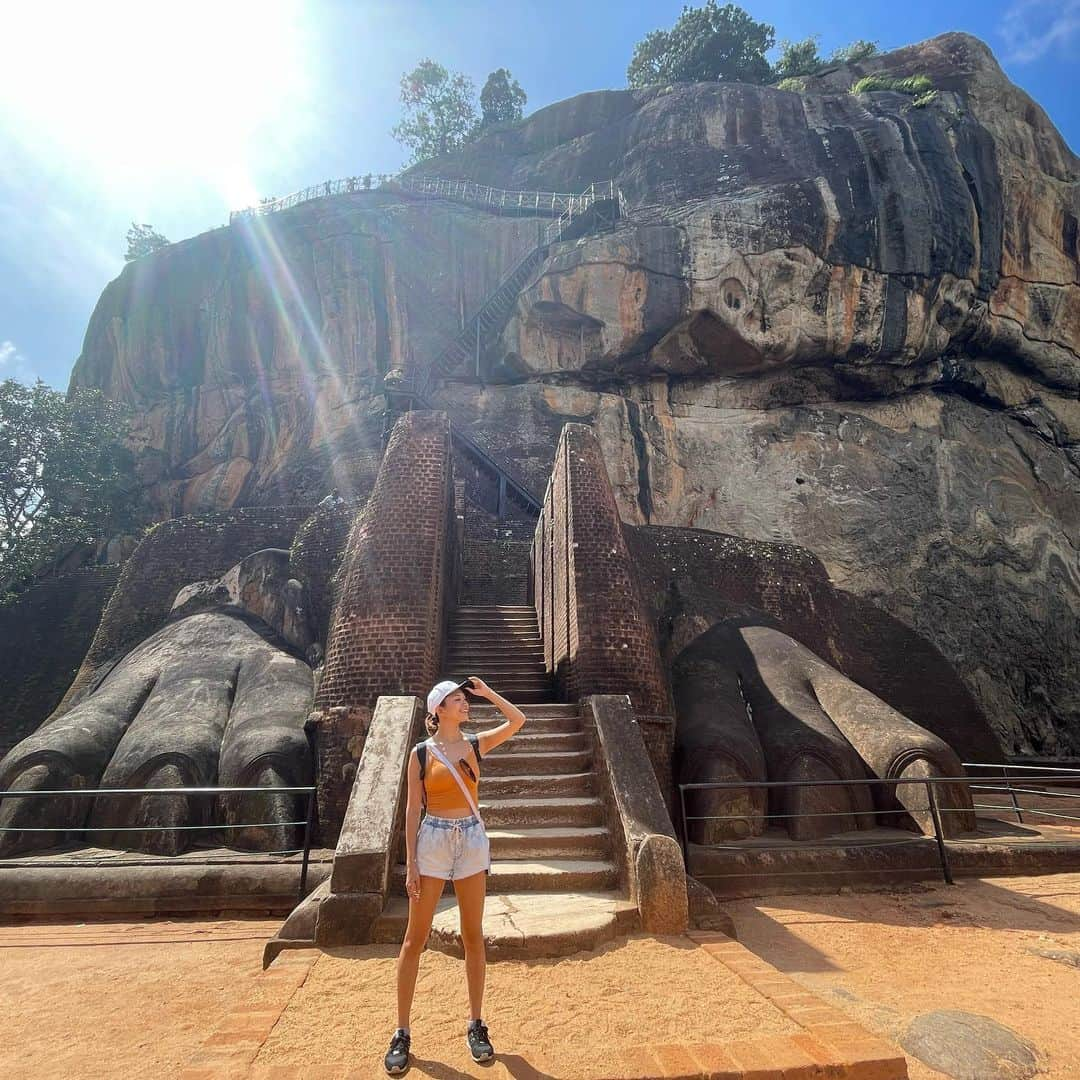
388	623
495	559
44	635
174	554
597	636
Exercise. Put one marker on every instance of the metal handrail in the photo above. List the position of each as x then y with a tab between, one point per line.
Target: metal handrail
553	203
982	783
308	822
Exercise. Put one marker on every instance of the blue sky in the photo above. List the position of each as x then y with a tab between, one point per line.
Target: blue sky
173	114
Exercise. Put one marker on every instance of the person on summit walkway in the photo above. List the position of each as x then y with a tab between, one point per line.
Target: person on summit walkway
449	844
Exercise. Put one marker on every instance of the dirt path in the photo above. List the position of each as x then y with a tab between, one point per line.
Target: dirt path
1004	948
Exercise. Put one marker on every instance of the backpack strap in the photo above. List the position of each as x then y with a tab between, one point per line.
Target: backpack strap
421	757
474	742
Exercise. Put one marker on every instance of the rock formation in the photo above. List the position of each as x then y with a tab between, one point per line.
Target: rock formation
845	322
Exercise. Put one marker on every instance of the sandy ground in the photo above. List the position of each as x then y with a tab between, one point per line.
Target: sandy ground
120	999
639	990
979	946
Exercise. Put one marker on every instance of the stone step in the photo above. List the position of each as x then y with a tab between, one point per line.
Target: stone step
539	785
494	621
456	659
470	609
507	677
494	635
535	725
538	875
510	662
521	926
528	742
481	625
481	710
580	811
508	760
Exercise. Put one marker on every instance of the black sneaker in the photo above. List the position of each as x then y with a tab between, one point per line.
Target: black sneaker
479	1044
397	1057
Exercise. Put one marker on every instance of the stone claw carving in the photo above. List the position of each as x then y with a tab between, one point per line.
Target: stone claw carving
213	699
748	694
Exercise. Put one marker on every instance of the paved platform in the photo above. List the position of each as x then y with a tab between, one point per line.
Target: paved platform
690	1006
773	864
104	882
521	925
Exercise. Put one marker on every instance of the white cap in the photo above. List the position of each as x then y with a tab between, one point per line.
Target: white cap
441	691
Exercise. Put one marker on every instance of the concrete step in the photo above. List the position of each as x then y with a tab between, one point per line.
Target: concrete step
509	761
520	926
538	785
467	609
495	634
580	811
513	663
534	725
481	710
494	622
537	875
527	742
499	639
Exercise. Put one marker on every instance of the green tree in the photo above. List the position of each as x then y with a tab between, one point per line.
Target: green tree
143	240
439	111
705	44
798	58
502	100
65	476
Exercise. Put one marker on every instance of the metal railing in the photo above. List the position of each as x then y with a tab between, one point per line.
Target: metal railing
557	204
112	793
936	810
1065	776
579	204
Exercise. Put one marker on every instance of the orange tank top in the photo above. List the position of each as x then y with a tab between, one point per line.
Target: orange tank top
442	790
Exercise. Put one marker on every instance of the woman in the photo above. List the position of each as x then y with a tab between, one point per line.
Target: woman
450	844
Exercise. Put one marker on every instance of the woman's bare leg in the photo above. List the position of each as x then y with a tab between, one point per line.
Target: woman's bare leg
421	912
471	892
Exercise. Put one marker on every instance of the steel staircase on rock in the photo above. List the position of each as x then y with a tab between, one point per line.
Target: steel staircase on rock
553	886
485	325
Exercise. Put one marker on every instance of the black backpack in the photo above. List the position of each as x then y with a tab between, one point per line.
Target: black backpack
421	757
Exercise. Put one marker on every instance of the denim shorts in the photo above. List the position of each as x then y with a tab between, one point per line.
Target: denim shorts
450	848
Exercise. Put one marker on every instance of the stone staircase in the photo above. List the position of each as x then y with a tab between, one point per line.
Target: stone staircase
503	646
554	885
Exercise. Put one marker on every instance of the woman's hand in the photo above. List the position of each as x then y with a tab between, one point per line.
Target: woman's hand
480	688
412	882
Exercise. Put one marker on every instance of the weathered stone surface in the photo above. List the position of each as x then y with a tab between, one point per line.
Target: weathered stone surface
210	700
376	807
831	320
651	855
969	1047
262	586
254	354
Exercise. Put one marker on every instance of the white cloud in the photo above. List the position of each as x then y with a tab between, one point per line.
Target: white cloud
1032	28
13	365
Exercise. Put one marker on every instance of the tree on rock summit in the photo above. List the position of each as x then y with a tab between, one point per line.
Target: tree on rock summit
502	101
705	44
143	240
439	111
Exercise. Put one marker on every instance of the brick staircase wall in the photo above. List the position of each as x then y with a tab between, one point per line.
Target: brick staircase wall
174	554
386	632
598	638
495	559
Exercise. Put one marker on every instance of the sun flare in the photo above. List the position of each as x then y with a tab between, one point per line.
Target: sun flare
137	94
